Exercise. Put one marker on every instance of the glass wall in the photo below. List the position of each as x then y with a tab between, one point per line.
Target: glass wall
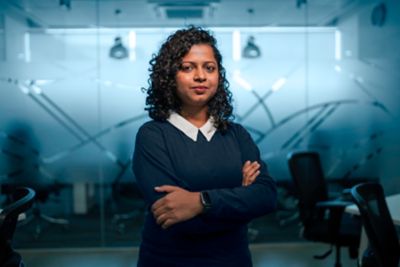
70	112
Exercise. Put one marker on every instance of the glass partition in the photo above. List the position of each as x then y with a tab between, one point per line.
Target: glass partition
70	112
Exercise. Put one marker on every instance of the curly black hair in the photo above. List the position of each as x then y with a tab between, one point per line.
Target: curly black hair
161	94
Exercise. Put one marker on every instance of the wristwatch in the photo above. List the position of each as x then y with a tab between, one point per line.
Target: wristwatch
205	201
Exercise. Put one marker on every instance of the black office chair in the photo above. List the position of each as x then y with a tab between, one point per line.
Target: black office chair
23	169
37	216
24	198
378	224
323	220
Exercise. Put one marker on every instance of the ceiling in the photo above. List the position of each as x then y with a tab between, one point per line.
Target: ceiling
167	13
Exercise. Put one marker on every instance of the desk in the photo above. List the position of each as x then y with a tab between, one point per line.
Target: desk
393	203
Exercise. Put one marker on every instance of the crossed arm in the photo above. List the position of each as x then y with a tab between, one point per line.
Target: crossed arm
180	205
174	204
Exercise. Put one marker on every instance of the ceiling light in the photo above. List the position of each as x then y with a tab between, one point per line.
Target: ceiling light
251	50
132	45
118	50
236	53
299	3
66	4
338	45
378	15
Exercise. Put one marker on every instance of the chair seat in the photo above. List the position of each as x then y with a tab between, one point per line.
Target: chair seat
349	233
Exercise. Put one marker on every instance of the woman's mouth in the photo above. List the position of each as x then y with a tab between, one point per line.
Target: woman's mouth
199	89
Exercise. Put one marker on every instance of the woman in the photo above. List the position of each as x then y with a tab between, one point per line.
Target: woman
200	173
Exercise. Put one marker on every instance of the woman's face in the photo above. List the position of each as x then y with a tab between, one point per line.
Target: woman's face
197	77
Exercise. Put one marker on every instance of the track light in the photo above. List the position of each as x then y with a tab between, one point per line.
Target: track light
118	50
251	50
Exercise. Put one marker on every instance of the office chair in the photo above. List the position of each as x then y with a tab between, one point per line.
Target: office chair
8	222
43	193
378	224
23	169
323	220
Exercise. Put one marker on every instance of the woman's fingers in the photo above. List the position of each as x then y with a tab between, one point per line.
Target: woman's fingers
250	172
176	206
246	167
252	177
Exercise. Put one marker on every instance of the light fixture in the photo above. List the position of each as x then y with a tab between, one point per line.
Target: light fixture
132	45
338	45
65	4
118	50
251	50
378	15
299	3
236	46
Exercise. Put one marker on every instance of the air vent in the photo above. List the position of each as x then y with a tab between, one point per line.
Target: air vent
184	13
168	9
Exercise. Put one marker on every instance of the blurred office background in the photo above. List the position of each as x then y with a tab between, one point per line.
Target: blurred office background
318	75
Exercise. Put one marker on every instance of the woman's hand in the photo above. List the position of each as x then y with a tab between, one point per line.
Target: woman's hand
250	172
177	206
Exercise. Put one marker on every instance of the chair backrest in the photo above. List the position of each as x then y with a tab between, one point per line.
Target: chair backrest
9	216
378	224
309	180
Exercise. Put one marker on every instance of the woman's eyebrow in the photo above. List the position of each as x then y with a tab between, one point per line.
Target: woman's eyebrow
203	62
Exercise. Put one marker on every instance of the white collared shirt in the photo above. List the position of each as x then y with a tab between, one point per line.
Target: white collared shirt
191	131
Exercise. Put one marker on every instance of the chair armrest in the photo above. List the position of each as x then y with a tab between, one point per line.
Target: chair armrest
333	204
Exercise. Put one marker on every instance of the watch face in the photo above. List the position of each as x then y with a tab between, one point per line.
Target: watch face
378	15
205	199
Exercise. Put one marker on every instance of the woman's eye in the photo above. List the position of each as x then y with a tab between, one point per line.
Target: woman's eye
210	68
186	68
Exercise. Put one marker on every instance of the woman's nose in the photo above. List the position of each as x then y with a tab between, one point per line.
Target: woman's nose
200	75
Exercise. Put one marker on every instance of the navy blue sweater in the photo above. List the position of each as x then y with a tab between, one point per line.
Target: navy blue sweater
166	156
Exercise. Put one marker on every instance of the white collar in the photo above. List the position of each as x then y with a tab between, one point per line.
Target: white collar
191	131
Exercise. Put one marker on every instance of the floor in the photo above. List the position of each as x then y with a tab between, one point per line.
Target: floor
266	229
264	255
91	241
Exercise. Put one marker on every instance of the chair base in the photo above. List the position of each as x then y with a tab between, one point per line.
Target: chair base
329	252
38	216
